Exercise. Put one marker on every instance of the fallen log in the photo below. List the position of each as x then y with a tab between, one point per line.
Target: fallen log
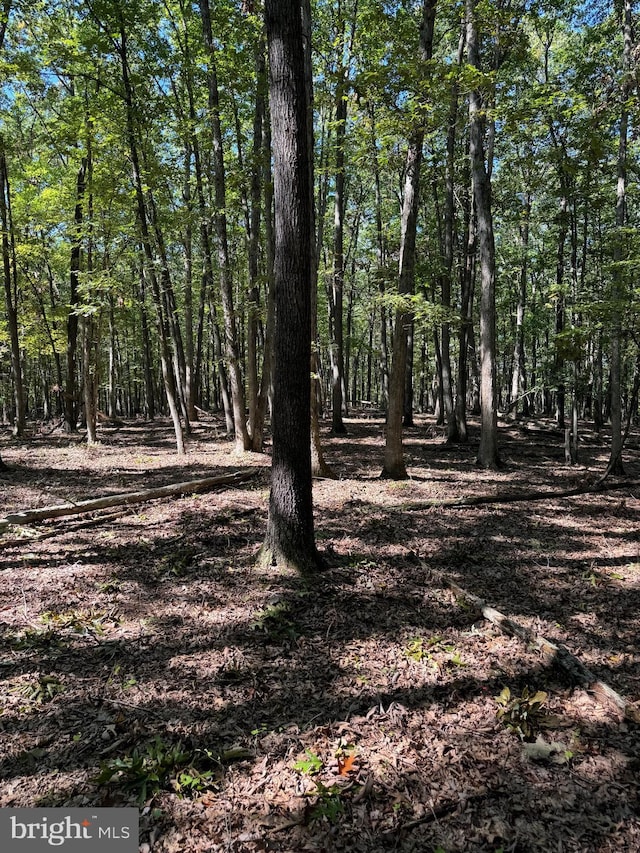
30	516
572	666
518	497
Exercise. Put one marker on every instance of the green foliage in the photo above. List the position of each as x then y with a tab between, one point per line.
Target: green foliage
275	621
158	765
92	621
329	802
43	689
434	651
37	639
521	714
309	765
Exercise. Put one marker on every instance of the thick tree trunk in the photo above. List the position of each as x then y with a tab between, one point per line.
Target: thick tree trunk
290	538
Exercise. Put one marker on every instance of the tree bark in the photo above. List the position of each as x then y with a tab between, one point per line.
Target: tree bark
127	498
290	537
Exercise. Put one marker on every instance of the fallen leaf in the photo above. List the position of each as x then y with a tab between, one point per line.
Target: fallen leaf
345	765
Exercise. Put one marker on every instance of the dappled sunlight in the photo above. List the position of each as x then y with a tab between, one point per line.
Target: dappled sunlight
355	705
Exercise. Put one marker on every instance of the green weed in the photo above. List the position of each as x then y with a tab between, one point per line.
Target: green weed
43	689
521	714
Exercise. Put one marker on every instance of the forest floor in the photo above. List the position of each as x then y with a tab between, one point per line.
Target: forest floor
146	658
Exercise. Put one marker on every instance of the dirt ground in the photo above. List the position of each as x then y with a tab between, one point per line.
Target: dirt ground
146	658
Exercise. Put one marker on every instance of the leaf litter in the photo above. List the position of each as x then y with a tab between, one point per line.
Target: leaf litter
358	713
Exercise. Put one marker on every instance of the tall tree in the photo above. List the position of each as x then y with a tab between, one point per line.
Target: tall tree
290	537
394	466
481	177
615	465
220	220
10	275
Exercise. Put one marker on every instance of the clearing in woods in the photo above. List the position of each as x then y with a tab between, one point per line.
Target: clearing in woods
146	659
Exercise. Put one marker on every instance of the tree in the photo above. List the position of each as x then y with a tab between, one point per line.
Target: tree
393	459
481	177
615	465
290	538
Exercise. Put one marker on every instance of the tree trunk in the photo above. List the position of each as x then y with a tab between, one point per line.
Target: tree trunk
71	386
290	538
615	465
161	322
453	431
266	380
220	221
394	466
10	275
518	378
337	303
253	387
488	451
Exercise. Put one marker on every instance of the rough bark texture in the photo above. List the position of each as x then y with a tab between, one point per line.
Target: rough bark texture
290	539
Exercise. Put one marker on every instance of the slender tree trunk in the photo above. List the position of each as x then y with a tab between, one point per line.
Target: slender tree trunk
394	466
10	276
319	466
488	451
337	304
90	325
71	385
518	378
615	465
382	260
266	379
467	279
161	322
189	354
253	387
290	538
220	222
453	431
